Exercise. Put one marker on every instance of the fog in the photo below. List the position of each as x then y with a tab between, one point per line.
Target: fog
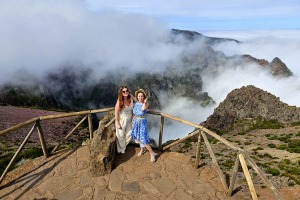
41	36
262	45
38	37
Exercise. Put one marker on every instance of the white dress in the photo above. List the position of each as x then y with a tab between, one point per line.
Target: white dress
124	134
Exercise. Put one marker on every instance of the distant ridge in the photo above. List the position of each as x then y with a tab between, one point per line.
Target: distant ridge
192	35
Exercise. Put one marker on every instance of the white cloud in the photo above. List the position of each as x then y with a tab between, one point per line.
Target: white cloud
40	36
264	45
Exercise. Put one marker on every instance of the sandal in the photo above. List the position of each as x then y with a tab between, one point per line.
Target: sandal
153	157
142	152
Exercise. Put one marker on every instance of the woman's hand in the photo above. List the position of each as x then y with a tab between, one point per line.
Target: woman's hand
119	126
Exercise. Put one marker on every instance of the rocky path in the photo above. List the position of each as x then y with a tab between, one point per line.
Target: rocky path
65	176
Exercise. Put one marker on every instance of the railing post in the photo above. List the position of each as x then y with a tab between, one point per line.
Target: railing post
234	172
42	140
263	177
198	150
214	159
69	134
17	152
248	177
90	126
162	119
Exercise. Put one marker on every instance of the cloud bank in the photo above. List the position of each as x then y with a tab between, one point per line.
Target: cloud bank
40	36
263	45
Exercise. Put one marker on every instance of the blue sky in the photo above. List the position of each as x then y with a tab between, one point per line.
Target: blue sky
207	15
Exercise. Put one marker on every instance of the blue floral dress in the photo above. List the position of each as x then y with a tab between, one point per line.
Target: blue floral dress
140	128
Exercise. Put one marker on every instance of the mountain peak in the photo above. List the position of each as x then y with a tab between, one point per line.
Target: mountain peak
279	68
250	102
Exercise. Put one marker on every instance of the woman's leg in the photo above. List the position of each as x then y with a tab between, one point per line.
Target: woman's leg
143	150
152	153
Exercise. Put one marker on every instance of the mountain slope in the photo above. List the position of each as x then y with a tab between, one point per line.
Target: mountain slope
251	103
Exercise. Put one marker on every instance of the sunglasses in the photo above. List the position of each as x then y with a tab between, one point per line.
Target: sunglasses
124	91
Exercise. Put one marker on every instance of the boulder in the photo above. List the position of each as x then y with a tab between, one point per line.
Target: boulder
102	148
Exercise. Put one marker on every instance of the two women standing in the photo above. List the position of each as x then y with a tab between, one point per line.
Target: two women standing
127	113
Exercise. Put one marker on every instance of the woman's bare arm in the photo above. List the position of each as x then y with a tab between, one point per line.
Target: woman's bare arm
117	115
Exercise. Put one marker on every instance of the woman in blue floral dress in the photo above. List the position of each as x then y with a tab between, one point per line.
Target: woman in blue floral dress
140	127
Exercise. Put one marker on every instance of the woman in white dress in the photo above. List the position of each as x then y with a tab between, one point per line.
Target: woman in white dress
123	115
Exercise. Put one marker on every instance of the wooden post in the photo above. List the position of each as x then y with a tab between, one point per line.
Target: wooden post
90	126
69	134
42	140
248	177
198	150
234	172
17	152
263	177
214	159
162	120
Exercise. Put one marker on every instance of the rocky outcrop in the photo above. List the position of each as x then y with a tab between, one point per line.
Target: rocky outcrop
276	67
102	148
250	102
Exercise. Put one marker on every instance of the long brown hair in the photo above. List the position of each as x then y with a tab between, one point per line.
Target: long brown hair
120	96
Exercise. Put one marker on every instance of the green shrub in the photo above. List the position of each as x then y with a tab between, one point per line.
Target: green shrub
266	124
267	155
258	148
273	137
294	146
282	147
273	171
228	164
295	123
237	141
285	139
271	145
286	161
